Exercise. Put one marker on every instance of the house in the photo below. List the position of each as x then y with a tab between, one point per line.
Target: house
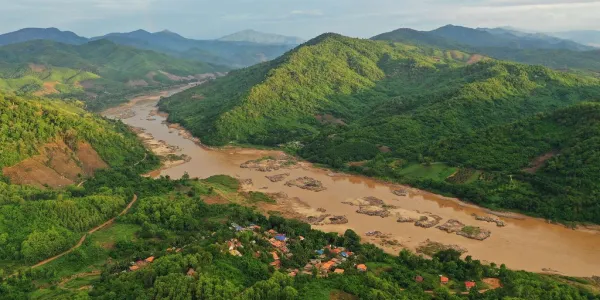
149	259
419	278
272	232
235	252
444	279
301	238
257	254
362	268
292	274
338	271
336	251
275	243
134	268
280	237
276	264
320	252
469	284
191	272
275	255
308	267
327	266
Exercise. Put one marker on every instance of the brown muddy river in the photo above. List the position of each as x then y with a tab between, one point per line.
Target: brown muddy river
527	243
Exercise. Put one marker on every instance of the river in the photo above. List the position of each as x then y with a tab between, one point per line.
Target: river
524	243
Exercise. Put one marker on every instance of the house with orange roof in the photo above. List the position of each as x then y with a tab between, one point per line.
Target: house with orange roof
191	272
134	268
362	267
276	264
275	255
470	284
327	266
338	271
149	259
444	279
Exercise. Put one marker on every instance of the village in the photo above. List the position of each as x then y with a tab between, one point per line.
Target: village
325	261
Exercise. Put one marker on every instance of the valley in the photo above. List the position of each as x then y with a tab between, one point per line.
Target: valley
523	243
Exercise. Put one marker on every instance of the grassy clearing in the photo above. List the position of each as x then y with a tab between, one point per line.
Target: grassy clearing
436	171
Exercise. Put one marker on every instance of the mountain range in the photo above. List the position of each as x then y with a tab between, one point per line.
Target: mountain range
253	36
505	44
238	50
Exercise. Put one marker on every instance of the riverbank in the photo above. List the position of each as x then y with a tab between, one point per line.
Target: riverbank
523	243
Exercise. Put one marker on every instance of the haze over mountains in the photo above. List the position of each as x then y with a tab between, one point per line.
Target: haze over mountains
238	50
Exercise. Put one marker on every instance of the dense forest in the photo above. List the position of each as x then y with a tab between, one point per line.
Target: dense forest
28	123
407	112
173	245
101	73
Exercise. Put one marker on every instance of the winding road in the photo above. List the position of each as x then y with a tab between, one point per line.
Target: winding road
84	237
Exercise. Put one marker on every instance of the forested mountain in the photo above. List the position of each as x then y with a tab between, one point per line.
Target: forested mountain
351	100
529	49
504	38
254	36
51	34
101	72
230	53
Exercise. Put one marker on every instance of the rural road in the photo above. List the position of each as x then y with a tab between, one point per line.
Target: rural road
82	239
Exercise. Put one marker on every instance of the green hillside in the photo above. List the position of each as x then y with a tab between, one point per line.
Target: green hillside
347	100
490	45
28	123
281	97
552	158
36	223
106	71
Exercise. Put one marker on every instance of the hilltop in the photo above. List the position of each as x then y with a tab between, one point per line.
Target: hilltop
51	34
253	36
350	100
101	72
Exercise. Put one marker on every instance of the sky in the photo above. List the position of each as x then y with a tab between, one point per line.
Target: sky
302	18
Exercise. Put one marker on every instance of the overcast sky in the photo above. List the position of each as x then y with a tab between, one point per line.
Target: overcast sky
303	18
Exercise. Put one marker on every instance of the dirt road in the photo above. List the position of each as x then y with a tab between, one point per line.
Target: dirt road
83	238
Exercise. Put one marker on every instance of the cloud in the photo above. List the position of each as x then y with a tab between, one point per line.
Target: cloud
312	12
306	18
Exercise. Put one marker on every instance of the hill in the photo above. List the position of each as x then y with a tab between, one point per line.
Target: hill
51	34
253	36
523	48
36	133
348	100
231	53
499	37
101	72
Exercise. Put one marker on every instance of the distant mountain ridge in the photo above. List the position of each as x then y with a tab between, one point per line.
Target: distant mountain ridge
52	34
238	50
254	36
504	43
